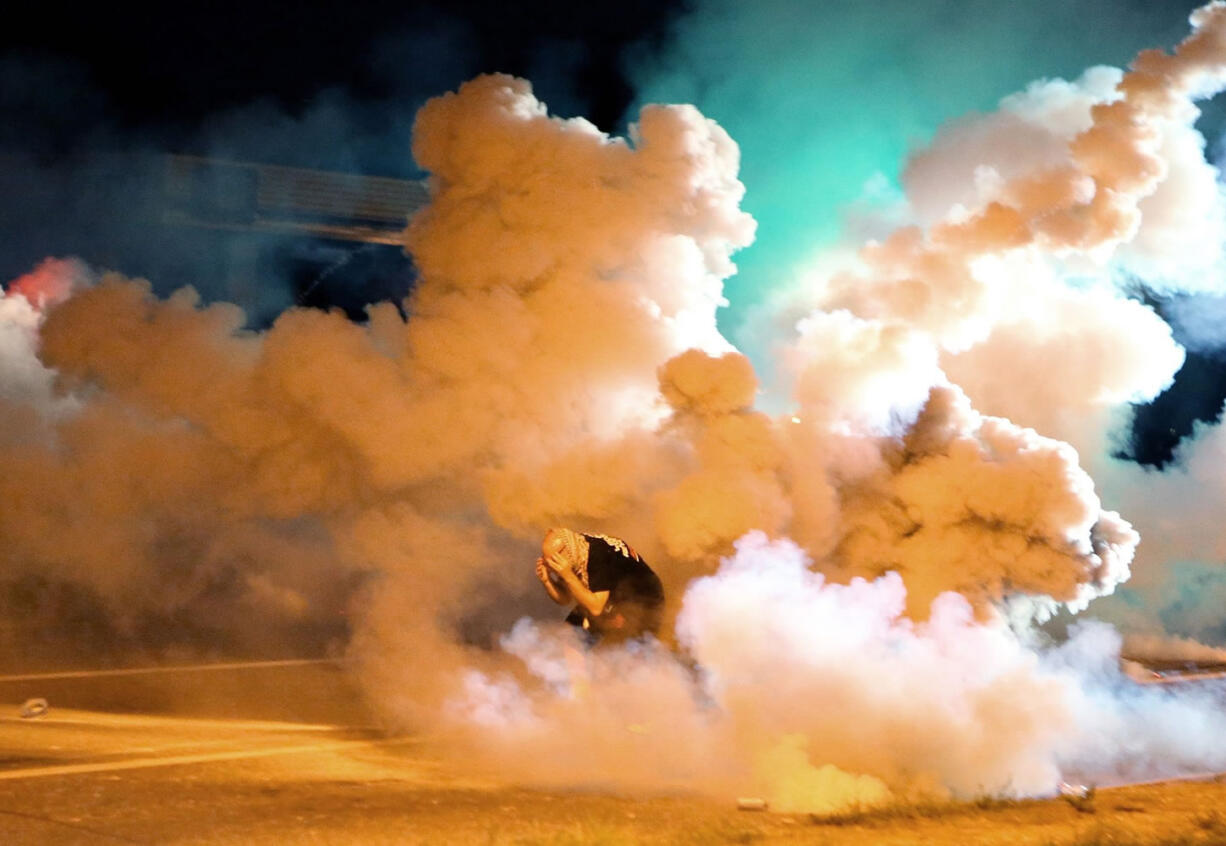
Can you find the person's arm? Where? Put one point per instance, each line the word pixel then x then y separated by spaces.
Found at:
pixel 553 584
pixel 592 603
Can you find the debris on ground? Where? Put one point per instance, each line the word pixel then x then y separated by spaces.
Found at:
pixel 1070 790
pixel 33 708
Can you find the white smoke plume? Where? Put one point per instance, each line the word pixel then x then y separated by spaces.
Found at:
pixel 944 708
pixel 26 384
pixel 1179 580
pixel 842 577
pixel 1199 319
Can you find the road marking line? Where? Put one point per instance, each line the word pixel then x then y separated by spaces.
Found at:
pixel 80 719
pixel 182 668
pixel 202 758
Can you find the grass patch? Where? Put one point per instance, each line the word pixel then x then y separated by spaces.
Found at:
pixel 913 811
pixel 1207 830
pixel 1212 824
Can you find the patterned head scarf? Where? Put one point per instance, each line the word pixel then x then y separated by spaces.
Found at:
pixel 574 550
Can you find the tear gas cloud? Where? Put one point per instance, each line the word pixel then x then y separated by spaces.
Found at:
pixel 801 86
pixel 854 585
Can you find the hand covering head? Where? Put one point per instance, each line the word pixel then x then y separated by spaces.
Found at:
pixel 570 545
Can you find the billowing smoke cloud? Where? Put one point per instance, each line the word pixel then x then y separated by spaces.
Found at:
pixel 852 584
pixel 944 708
pixel 827 99
pixel 25 381
pixel 1042 332
pixel 1199 319
pixel 922 486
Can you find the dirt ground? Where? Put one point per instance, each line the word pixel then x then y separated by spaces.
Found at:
pixel 1152 815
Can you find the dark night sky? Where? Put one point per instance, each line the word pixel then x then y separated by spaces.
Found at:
pixel 320 85
pixel 165 69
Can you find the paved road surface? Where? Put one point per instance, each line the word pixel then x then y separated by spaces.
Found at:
pixel 81 777
pixel 286 754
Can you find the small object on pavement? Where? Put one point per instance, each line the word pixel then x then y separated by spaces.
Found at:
pixel 750 803
pixel 1075 791
pixel 32 708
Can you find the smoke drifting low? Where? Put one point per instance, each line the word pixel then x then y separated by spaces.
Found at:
pixel 853 585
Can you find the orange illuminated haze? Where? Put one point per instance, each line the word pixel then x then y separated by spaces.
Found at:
pixel 856 567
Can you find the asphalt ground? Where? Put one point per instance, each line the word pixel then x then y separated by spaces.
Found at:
pixel 91 779
pixel 252 762
pixel 300 691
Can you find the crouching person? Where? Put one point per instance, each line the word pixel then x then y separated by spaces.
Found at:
pixel 617 597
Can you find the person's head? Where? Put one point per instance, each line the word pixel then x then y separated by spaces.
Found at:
pixel 555 543
pixel 569 545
